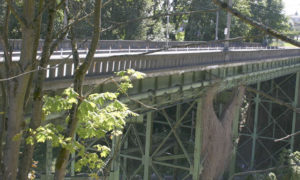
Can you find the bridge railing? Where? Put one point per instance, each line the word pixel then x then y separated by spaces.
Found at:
pixel 64 68
pixel 133 44
pixel 130 50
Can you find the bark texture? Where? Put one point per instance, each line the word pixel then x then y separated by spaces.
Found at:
pixel 217 134
pixel 36 118
pixel 16 89
pixel 80 72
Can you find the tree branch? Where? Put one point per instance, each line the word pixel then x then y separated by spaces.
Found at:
pixel 164 14
pixel 14 12
pixel 119 24
pixel 4 41
pixel 256 24
pixel 288 136
pixel 106 3
pixel 277 101
pixel 262 171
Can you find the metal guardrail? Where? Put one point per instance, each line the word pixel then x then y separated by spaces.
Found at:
pixel 67 52
pixel 64 69
pixel 16 44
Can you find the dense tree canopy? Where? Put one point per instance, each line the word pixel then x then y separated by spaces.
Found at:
pixel 268 12
pixel 193 27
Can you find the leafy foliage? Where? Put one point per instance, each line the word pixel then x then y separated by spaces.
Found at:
pixel 288 168
pixel 99 114
pixel 268 12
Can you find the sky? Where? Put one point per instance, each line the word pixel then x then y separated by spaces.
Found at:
pixel 291 6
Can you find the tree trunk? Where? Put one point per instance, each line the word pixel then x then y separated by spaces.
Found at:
pixel 17 91
pixel 217 134
pixel 16 95
pixel 36 117
pixel 2 123
pixel 63 157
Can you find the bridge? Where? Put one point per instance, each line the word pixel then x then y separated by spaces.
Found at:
pixel 165 140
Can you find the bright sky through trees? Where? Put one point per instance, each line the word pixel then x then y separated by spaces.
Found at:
pixel 291 6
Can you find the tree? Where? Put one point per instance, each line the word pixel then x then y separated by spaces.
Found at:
pixel 19 79
pixel 268 12
pixel 200 27
pixel 22 74
pixel 123 10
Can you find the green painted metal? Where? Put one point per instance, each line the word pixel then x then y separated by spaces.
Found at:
pixel 131 157
pixel 72 167
pixel 235 136
pixel 254 134
pixel 171 157
pixel 174 127
pixel 48 160
pixel 171 165
pixel 124 165
pixel 174 130
pixel 176 148
pixel 295 104
pixel 198 141
pixel 148 139
pixel 271 103
pixel 115 167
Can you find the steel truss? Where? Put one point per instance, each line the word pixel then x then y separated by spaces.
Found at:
pixel 166 144
pixel 268 121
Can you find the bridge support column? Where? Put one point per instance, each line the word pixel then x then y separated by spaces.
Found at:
pixel 176 147
pixel 235 138
pixel 124 163
pixel 48 160
pixel 198 142
pixel 271 103
pixel 147 157
pixel 295 104
pixel 254 134
pixel 72 167
pixel 115 167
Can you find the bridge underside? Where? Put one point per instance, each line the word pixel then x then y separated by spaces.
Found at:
pixel 166 143
pixel 166 140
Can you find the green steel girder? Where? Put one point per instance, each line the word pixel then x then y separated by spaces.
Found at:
pixel 158 155
pixel 261 134
pixel 147 158
pixel 254 134
pixel 186 86
pixel 181 90
pixel 295 105
pixel 198 142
